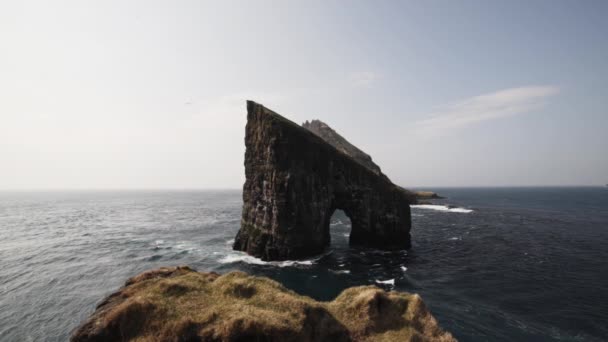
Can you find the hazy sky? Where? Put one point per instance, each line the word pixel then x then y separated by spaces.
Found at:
pixel 151 94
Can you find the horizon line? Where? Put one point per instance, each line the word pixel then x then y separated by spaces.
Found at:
pixel 416 187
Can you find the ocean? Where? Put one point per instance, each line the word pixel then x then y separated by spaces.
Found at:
pixel 492 264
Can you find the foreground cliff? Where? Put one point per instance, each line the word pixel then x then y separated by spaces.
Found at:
pixel 180 304
pixel 295 180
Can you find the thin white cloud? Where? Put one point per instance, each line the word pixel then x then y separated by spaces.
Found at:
pixel 363 79
pixel 500 104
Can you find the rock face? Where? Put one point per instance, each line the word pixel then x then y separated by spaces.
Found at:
pixel 295 180
pixel 180 304
pixel 332 137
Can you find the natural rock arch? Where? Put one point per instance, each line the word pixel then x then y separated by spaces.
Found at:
pixel 295 180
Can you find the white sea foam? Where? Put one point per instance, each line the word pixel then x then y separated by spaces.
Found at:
pixel 185 246
pixel 176 245
pixel 403 268
pixel 442 208
pixel 455 238
pixel 343 272
pixel 230 242
pixel 288 263
pixel 386 282
pixel 158 244
pixel 233 257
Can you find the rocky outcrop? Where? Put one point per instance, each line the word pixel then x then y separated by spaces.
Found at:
pixel 295 180
pixel 426 195
pixel 180 304
pixel 332 137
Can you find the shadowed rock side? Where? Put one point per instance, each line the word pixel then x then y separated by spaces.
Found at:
pixel 295 181
pixel 180 304
pixel 332 137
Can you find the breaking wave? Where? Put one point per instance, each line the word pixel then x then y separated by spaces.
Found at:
pixel 386 282
pixel 234 257
pixel 444 208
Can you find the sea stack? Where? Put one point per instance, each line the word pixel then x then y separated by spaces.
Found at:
pixel 295 180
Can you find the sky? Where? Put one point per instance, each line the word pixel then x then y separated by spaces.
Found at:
pixel 151 94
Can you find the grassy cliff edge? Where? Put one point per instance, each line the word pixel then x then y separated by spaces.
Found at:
pixel 181 304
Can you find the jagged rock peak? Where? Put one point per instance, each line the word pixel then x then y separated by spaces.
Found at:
pixel 328 134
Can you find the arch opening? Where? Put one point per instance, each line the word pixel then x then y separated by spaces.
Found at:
pixel 340 229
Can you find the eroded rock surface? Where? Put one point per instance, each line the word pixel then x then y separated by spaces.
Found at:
pixel 295 180
pixel 180 304
pixel 332 137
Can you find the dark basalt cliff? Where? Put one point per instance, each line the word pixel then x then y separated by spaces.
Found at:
pixel 295 180
pixel 180 304
pixel 332 137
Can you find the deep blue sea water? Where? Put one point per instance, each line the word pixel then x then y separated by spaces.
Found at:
pixel 507 264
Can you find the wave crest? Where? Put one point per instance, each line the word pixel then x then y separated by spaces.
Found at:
pixel 248 259
pixel 444 208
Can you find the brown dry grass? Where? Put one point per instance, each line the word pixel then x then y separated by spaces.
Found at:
pixel 180 304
